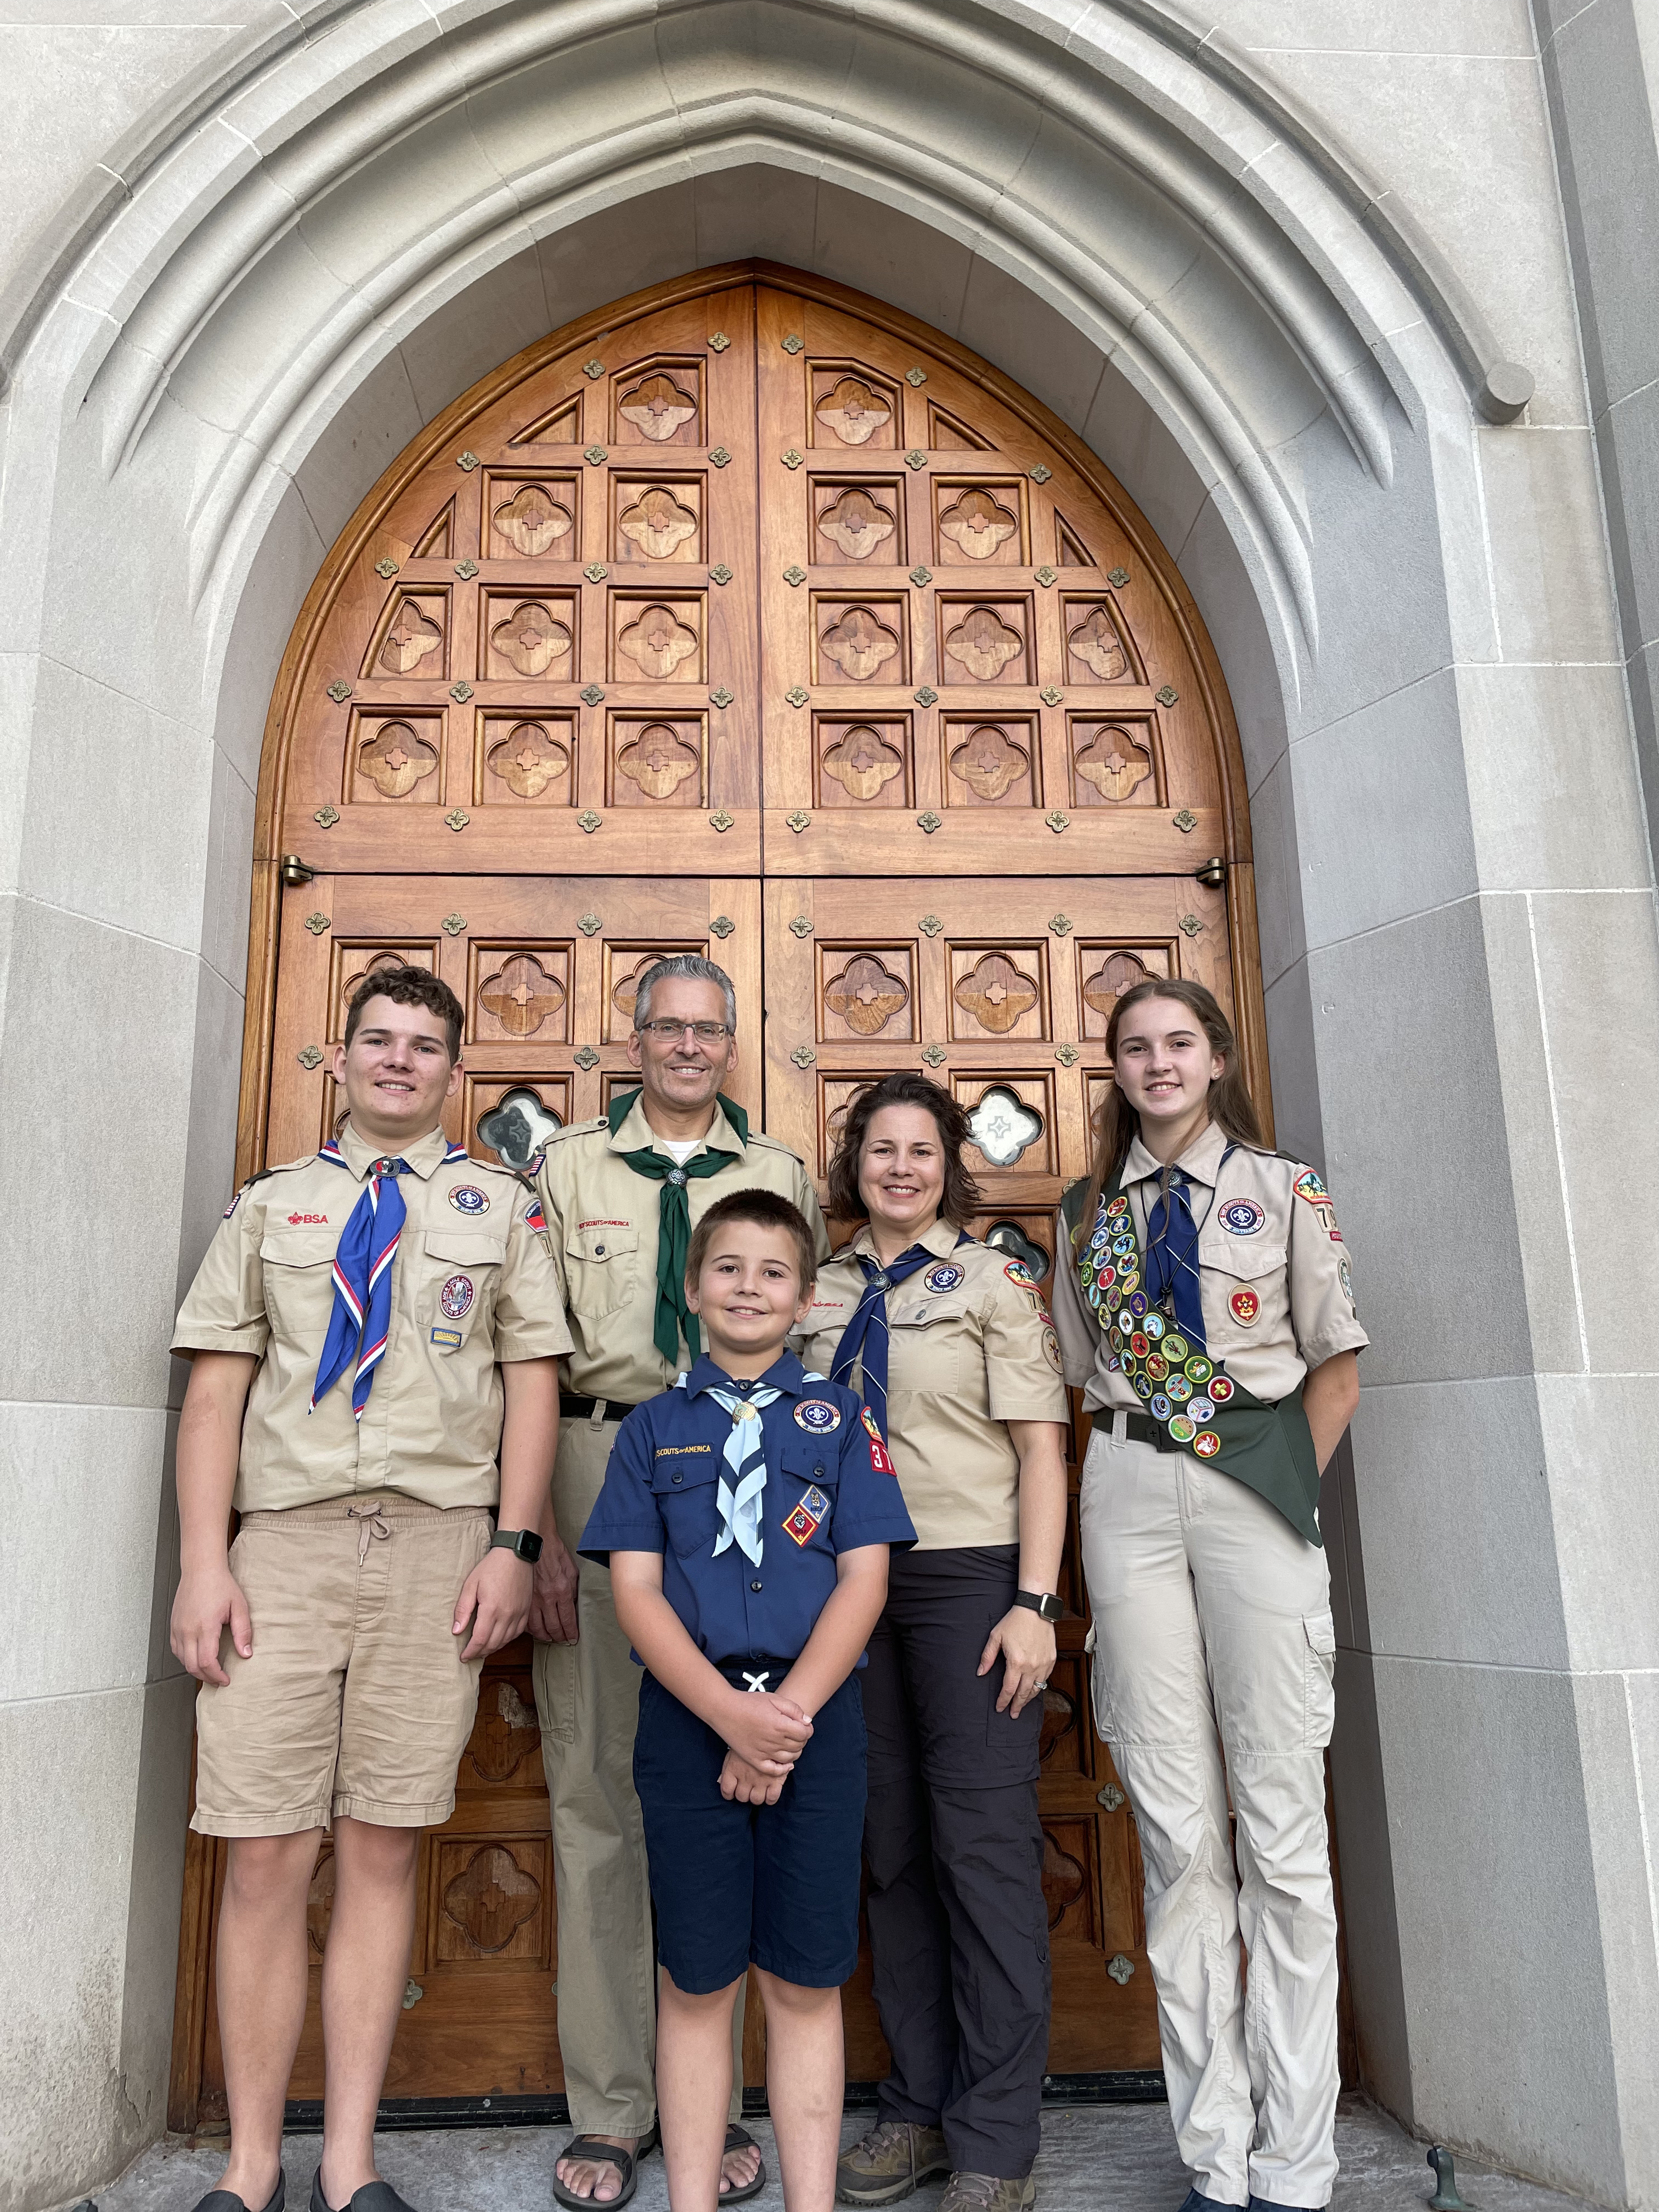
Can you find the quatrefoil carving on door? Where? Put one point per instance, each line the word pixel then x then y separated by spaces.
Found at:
pixel 531 639
pixel 853 411
pixel 1097 645
pixel 866 995
pixel 859 645
pixel 989 762
pixel 657 407
pixel 412 636
pixel 1062 1880
pixel 395 760
pixel 491 1899
pixel 388 957
pixel 856 523
pixel 659 759
pixel 506 1732
pixel 1118 973
pixel 516 1128
pixel 984 644
pixel 521 995
pixel 658 642
pixel 527 759
pixel 978 524
pixel 1114 762
pixel 863 762
pixel 532 519
pixel 657 522
pixel 995 993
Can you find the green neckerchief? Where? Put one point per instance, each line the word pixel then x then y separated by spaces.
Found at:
pixel 1268 1448
pixel 674 1222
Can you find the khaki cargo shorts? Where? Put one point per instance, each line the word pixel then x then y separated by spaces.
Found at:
pixel 355 1700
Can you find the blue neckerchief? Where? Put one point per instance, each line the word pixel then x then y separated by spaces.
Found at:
pixel 1172 1259
pixel 865 1339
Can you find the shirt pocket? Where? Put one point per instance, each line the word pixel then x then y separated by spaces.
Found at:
pixel 600 1266
pixel 925 1345
pixel 683 1482
pixel 1249 1301
pixel 460 1277
pixel 297 1267
pixel 800 1499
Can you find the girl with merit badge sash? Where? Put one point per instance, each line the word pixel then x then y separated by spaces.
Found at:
pixel 1207 1309
pixel 953 1352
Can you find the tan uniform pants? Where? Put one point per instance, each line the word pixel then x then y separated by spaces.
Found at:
pixel 587 1701
pixel 1214 1639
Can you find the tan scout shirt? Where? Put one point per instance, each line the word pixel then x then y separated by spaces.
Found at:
pixel 603 1220
pixel 433 1424
pixel 963 1356
pixel 1274 1275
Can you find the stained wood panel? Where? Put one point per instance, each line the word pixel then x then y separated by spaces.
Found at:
pixel 751 618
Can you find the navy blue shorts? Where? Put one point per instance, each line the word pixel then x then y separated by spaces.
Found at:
pixel 775 1884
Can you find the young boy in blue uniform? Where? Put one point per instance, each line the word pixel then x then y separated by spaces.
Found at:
pixel 746 1518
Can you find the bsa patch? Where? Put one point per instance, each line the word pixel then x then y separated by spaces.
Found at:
pixel 449 1338
pixel 1243 1217
pixel 1309 1186
pixel 878 1457
pixel 456 1297
pixel 467 1197
pixel 1244 1306
pixel 803 1523
pixel 817 1415
pixel 944 1278
pixel 1207 1443
pixel 1051 1351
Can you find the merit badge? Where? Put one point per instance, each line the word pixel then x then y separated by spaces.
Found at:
pixel 534 1218
pixel 1159 1406
pixel 1138 1302
pixel 1243 1217
pixel 1201 1410
pixel 455 1296
pixel 449 1338
pixel 1310 1186
pixel 1144 1385
pixel 1181 1429
pixel 1139 1346
pixel 1221 1389
pixel 1200 1369
pixel 1051 1351
pixel 819 1415
pixel 1207 1443
pixel 943 1278
pixel 1155 1325
pixel 466 1198
pixel 1118 1205
pixel 1244 1306
pixel 1178 1389
pixel 1175 1347
pixel 1157 1365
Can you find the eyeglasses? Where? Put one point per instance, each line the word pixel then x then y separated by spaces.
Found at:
pixel 671 1032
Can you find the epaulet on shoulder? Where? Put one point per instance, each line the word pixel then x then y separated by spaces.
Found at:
pixel 575 1129
pixel 491 1167
pixel 278 1167
pixel 772 1145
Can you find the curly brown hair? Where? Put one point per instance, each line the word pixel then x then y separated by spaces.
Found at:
pixel 408 987
pixel 961 1200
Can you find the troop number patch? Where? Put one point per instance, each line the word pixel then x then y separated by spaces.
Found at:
pixel 945 1278
pixel 819 1415
pixel 455 1298
pixel 879 1458
pixel 467 1197
pixel 1243 1217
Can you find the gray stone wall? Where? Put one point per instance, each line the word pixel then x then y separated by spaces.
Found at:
pixel 1259 260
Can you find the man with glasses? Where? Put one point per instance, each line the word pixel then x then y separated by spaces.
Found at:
pixel 622 1194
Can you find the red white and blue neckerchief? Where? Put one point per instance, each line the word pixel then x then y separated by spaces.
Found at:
pixel 360 1323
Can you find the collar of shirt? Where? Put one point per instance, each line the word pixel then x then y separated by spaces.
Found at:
pixel 1200 1163
pixel 636 1133
pixel 425 1155
pixel 940 1239
pixel 785 1374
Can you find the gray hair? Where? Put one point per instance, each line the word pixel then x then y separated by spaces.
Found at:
pixel 695 969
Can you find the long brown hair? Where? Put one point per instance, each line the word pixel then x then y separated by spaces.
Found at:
pixel 960 1200
pixel 1230 1106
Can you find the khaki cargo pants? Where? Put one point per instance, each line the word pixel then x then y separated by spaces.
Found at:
pixel 587 1701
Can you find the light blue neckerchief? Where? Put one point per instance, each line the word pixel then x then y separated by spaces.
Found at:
pixel 744 1453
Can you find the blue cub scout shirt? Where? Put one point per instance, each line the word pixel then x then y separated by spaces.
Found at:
pixel 830 1488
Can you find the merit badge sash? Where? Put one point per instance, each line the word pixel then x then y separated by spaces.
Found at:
pixel 1200 1407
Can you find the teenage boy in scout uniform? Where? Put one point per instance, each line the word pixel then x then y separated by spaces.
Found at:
pixel 746 1519
pixel 622 1195
pixel 370 1327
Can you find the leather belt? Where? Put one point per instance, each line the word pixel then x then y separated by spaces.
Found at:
pixel 573 1409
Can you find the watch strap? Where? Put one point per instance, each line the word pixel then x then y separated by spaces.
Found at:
pixel 1049 1607
pixel 524 1544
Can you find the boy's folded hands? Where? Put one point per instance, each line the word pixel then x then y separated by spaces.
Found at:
pixel 766 1732
pixel 747 1784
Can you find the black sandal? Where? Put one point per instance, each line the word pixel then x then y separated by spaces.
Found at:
pixel 738 2138
pixel 626 2163
pixel 227 2200
pixel 373 2196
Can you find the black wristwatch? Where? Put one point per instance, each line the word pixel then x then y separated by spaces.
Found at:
pixel 524 1544
pixel 1039 1601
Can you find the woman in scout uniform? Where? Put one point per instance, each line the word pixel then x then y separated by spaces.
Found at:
pixel 952 1347
pixel 1208 1311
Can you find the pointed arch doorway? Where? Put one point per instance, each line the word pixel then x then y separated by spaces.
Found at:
pixel 749 618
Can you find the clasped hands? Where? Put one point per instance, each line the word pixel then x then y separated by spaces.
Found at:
pixel 765 1734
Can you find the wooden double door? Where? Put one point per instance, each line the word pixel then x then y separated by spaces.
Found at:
pixel 748 619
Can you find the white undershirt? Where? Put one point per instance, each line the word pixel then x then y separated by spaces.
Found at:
pixel 681 1147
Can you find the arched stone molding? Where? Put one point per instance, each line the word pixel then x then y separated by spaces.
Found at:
pixel 346 224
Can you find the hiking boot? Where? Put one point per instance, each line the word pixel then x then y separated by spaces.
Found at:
pixel 889 2162
pixel 986 2192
